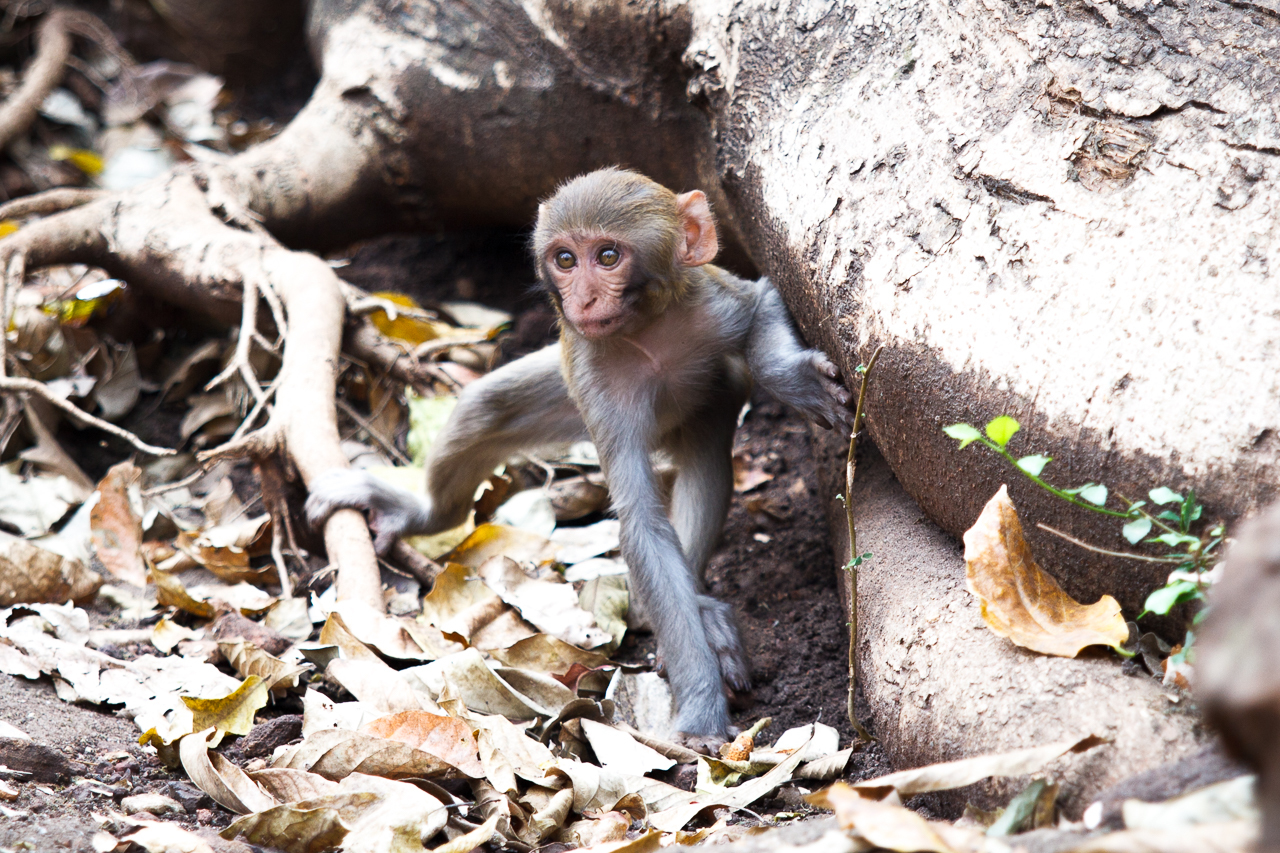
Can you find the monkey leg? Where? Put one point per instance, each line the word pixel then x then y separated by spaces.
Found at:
pixel 521 406
pixel 703 452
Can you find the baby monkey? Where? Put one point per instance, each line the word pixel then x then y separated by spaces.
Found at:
pixel 657 352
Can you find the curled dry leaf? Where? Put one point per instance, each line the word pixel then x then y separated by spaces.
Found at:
pixel 116 523
pixel 336 754
pixel 957 774
pixel 223 781
pixel 883 825
pixel 447 738
pixel 230 714
pixel 551 606
pixel 247 659
pixel 367 814
pixel 30 574
pixel 1020 601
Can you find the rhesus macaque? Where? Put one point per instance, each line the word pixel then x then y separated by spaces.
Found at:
pixel 657 352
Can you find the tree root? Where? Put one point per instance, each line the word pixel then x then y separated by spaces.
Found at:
pixel 182 239
pixel 53 46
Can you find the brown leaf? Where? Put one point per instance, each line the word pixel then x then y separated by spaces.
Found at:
pixel 29 573
pixel 884 825
pixel 335 754
pixel 1023 603
pixel 444 737
pixel 117 527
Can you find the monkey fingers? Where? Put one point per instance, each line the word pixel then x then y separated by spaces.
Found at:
pixel 391 512
pixel 722 636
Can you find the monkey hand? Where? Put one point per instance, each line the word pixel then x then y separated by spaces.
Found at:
pixel 391 512
pixel 722 636
pixel 818 393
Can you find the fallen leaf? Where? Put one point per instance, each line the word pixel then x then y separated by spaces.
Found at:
pixel 367 814
pixel 230 714
pixel 379 687
pixel 447 738
pixel 884 825
pixel 551 606
pixel 495 540
pixel 1235 837
pixel 1020 601
pixel 479 687
pixel 336 754
pixel 620 751
pixel 223 781
pixel 30 574
pixel 35 504
pixel 460 605
pixel 247 659
pixel 116 522
pixel 578 497
pixel 529 510
pixel 957 774
pixel 577 544
pixel 160 837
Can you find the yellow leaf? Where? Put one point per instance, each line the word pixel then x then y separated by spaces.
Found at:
pixel 233 713
pixel 83 159
pixel 411 330
pixel 8 226
pixel 1020 601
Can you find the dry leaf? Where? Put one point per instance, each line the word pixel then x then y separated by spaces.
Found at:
pixel 890 827
pixel 1023 603
pixel 30 574
pixel 116 523
pixel 336 754
pixel 447 738
pixel 549 605
pixel 35 504
pixel 620 751
pixel 747 473
pixel 473 840
pixel 494 540
pixel 957 774
pixel 159 837
pixel 366 814
pixel 472 681
pixel 379 687
pixel 230 714
pixel 247 659
pixel 223 781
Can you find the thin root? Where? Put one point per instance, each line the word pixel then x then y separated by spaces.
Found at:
pixel 48 203
pixel 53 46
pixel 18 385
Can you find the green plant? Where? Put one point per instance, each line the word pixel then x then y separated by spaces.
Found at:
pixel 1169 520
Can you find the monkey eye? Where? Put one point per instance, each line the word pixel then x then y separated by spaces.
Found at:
pixel 608 257
pixel 565 259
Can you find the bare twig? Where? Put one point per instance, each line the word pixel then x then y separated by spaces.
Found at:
pixel 53 46
pixel 360 303
pixel 1171 558
pixel 850 468
pixel 377 437
pixel 19 385
pixel 430 348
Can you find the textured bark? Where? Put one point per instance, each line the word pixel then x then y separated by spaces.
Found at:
pixel 946 179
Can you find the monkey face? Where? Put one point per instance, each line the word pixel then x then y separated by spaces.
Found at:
pixel 595 280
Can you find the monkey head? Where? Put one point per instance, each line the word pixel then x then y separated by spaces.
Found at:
pixel 614 249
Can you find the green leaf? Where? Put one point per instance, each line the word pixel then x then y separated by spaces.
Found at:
pixel 1135 506
pixel 1033 465
pixel 1168 515
pixel 1168 597
pixel 1094 493
pixel 1191 510
pixel 1176 540
pixel 963 433
pixel 1135 530
pixel 1002 429
pixel 1217 531
pixel 1162 495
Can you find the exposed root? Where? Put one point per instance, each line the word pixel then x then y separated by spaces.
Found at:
pixel 389 448
pixel 53 46
pixel 18 385
pixel 48 203
pixel 168 239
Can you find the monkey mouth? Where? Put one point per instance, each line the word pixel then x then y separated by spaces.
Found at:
pixel 599 327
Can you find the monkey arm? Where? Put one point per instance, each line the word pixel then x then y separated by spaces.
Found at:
pixel 802 378
pixel 521 406
pixel 661 577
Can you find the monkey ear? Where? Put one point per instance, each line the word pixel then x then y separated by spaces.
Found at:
pixel 698 230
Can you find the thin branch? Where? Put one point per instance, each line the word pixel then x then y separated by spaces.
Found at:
pixel 430 348
pixel 1095 549
pixel 373 433
pixel 53 46
pixel 850 468
pixel 16 385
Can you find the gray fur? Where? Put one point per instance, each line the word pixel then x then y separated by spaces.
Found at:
pixel 674 383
